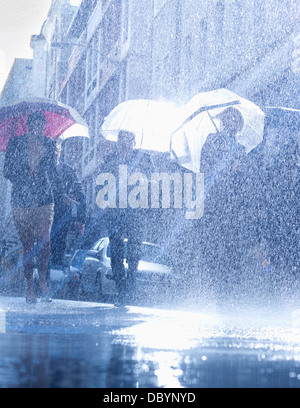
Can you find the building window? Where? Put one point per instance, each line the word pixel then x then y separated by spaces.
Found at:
pixel 111 26
pixel 92 123
pixel 104 3
pixel 92 64
pixel 64 95
pixel 126 14
pixel 157 79
pixel 202 45
pixel 158 5
pixel 51 91
pixel 123 83
pixel 186 61
pixel 220 10
pixel 219 27
pixel 259 19
pixel 77 85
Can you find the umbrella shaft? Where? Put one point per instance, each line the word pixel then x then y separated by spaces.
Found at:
pixel 203 109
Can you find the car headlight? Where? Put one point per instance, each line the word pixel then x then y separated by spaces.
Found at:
pixel 74 273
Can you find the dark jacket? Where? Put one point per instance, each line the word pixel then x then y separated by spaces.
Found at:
pixel 222 228
pixel 218 155
pixel 72 188
pixel 114 217
pixel 31 189
pixel 280 206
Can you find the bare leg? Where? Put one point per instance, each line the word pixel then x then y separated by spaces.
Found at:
pixel 43 255
pixel 25 229
pixel 27 240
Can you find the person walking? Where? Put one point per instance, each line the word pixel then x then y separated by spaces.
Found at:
pixel 221 153
pixel 30 165
pixel 222 160
pixel 67 214
pixel 125 222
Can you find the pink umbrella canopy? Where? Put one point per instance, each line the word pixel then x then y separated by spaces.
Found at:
pixel 59 118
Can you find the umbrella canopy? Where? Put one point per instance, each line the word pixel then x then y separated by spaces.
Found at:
pixel 59 117
pixel 151 121
pixel 199 118
pixel 76 130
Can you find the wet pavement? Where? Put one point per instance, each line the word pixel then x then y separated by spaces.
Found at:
pixel 72 344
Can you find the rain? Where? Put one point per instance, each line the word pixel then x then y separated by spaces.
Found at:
pixel 180 120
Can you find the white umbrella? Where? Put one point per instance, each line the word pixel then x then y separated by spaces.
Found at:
pixel 199 119
pixel 76 130
pixel 151 121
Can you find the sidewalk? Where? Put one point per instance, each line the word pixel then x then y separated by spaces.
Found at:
pixel 95 345
pixel 56 317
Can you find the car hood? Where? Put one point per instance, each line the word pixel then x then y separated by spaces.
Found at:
pixel 152 267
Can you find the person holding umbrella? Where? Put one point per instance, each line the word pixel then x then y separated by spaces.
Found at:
pixel 66 213
pixel 30 165
pixel 125 222
pixel 221 152
pixel 221 162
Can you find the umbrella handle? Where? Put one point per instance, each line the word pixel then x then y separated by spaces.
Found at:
pixel 202 109
pixel 196 113
pixel 174 154
pixel 210 117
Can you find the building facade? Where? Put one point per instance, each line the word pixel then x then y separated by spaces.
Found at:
pixel 103 52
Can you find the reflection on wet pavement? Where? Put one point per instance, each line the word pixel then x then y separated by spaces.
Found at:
pixel 99 346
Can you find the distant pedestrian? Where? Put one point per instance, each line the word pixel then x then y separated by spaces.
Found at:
pixel 67 213
pixel 30 165
pixel 125 222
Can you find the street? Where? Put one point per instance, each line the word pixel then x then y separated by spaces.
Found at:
pixel 75 344
pixel 149 156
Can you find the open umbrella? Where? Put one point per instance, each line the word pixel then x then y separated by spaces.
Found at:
pixel 151 121
pixel 75 130
pixel 59 117
pixel 199 118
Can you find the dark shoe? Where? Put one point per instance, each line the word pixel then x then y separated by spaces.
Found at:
pixel 46 299
pixel 31 300
pixel 131 287
pixel 120 303
pixel 30 296
pixel 122 298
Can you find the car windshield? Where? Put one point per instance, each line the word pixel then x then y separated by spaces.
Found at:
pixel 78 258
pixel 149 253
pixel 98 245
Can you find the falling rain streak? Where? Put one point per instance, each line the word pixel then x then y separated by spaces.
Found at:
pixel 179 273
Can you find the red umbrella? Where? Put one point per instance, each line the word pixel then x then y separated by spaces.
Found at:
pixel 59 117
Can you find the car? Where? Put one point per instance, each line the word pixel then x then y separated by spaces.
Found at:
pixel 154 275
pixel 73 274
